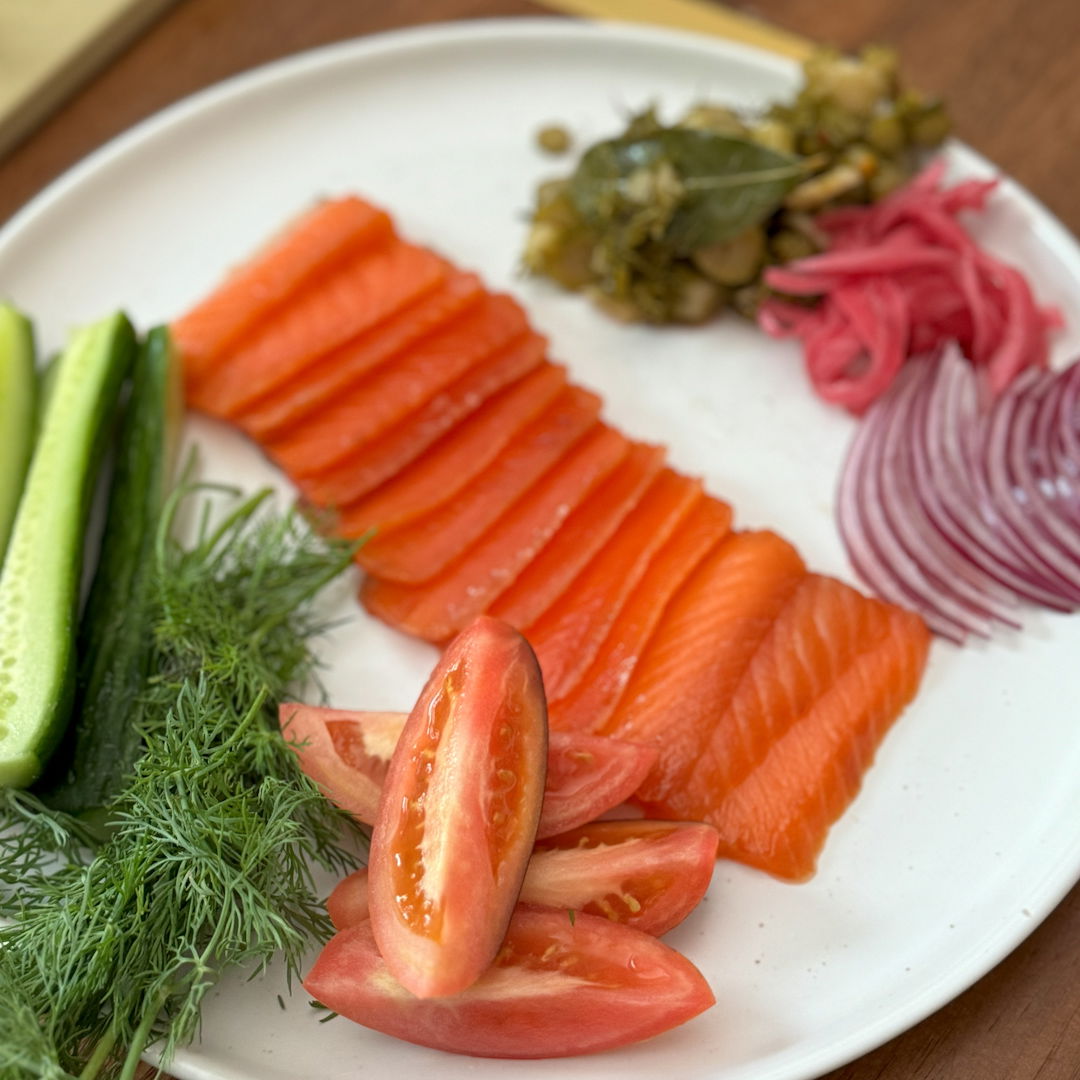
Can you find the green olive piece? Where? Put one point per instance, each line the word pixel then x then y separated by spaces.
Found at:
pixel 553 139
pixel 733 262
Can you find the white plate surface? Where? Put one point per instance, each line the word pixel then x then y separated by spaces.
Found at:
pixel 966 833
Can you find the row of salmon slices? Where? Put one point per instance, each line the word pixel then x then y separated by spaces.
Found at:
pixel 409 403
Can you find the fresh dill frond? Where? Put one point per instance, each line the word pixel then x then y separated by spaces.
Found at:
pixel 207 864
pixel 34 840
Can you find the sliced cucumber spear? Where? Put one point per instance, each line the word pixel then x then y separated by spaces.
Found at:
pixel 115 641
pixel 39 584
pixel 18 391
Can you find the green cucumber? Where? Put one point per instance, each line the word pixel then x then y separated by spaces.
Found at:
pixel 115 637
pixel 39 585
pixel 18 391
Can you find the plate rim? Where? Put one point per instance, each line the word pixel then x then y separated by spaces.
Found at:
pixel 1010 932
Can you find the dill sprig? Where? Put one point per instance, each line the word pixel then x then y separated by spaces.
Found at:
pixel 210 845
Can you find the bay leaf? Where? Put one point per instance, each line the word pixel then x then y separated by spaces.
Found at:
pixel 729 184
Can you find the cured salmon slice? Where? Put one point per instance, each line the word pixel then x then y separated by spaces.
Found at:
pixel 699 651
pixel 373 463
pixel 457 458
pixel 788 754
pixel 567 636
pixel 393 391
pixel 591 701
pixel 586 530
pixel 274 414
pixel 419 550
pixel 332 309
pixel 437 609
pixel 312 243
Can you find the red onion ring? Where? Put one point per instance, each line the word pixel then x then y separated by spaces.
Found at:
pixel 959 508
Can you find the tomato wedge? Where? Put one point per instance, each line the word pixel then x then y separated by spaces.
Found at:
pixel 458 812
pixel 347 754
pixel 645 874
pixel 589 775
pixel 348 760
pixel 556 988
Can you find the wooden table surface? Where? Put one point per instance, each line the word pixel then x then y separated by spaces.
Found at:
pixel 1008 69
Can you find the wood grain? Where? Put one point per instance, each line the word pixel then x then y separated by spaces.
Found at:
pixel 1007 68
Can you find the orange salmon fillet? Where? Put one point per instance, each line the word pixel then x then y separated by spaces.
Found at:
pixel 313 243
pixel 272 415
pixel 787 755
pixel 438 609
pixel 587 706
pixel 391 392
pixel 457 458
pixel 704 641
pixel 586 530
pixel 419 550
pixel 358 294
pixel 569 634
pixel 373 463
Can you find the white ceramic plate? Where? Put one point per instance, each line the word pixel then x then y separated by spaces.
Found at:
pixel 966 833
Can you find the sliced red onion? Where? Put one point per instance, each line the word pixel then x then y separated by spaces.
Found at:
pixel 953 582
pixel 871 547
pixel 941 443
pixel 1024 534
pixel 958 508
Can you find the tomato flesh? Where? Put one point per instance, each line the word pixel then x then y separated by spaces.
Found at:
pixel 646 874
pixel 556 988
pixel 589 775
pixel 347 761
pixel 458 812
pixel 347 753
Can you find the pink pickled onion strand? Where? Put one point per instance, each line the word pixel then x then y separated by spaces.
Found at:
pixel 945 285
pixel 958 507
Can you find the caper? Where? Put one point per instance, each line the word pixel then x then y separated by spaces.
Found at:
pixel 733 262
pixel 553 139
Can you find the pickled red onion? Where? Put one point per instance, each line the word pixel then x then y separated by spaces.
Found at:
pixel 900 278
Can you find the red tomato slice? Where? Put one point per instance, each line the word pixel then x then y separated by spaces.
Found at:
pixel 458 812
pixel 347 754
pixel 589 775
pixel 646 874
pixel 347 760
pixel 555 989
